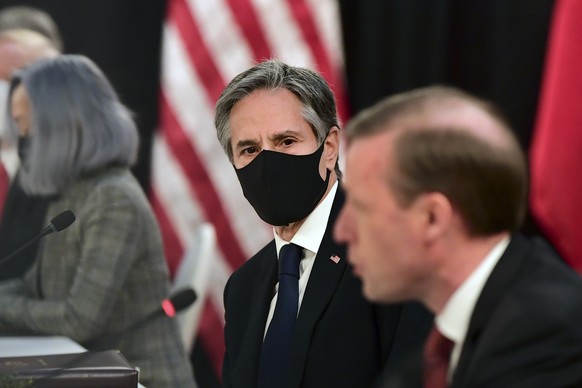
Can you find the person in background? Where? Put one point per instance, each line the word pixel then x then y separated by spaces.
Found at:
pixel 26 34
pixel 106 271
pixel 309 326
pixel 33 19
pixel 436 192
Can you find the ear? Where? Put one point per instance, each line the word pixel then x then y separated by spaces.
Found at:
pixel 331 148
pixel 437 215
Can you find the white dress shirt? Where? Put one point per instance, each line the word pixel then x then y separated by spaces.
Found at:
pixel 453 321
pixel 308 237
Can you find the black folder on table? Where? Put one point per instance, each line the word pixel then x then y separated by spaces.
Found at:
pixel 89 369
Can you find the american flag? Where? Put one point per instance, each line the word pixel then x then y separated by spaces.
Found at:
pixel 205 44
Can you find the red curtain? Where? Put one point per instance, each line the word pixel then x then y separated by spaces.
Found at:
pixel 556 153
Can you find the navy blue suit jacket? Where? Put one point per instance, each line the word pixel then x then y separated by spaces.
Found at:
pixel 340 340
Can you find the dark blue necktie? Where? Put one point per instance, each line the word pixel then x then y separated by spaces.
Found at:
pixel 277 343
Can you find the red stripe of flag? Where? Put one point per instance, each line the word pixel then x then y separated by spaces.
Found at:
pixel 306 22
pixel 4 186
pixel 198 52
pixel 248 22
pixel 211 334
pixel 173 249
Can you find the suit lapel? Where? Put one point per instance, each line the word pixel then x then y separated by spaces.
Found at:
pixel 503 275
pixel 321 286
pixel 262 293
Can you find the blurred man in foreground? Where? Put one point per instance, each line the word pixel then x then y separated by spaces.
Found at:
pixel 436 189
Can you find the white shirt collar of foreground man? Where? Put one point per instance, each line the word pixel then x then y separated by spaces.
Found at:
pixel 453 321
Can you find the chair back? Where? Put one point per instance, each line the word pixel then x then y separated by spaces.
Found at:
pixel 194 272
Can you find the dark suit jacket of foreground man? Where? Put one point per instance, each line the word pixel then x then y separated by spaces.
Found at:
pixel 340 340
pixel 526 329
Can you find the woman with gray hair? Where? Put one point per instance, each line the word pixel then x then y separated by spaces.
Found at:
pixel 107 270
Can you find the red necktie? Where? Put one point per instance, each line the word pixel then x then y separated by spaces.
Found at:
pixel 436 355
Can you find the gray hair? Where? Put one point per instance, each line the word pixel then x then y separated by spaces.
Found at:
pixel 77 123
pixel 319 107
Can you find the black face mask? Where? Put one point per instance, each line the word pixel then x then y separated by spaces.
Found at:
pixel 23 148
pixel 283 188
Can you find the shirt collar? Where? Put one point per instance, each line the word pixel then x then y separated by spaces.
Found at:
pixel 453 321
pixel 310 234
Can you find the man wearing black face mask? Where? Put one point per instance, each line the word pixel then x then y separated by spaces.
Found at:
pixel 303 324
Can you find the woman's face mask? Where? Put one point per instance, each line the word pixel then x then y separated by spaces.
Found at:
pixel 23 148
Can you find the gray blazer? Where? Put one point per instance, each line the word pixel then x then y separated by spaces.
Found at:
pixel 100 275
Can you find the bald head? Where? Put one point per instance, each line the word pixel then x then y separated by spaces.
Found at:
pixel 20 47
pixel 448 141
pixel 437 107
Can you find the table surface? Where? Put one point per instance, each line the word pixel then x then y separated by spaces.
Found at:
pixel 37 346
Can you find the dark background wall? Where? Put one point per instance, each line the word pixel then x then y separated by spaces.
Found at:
pixel 493 48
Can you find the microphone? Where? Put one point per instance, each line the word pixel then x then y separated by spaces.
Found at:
pixel 60 222
pixel 177 302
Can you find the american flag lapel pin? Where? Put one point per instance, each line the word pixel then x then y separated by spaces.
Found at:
pixel 335 258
